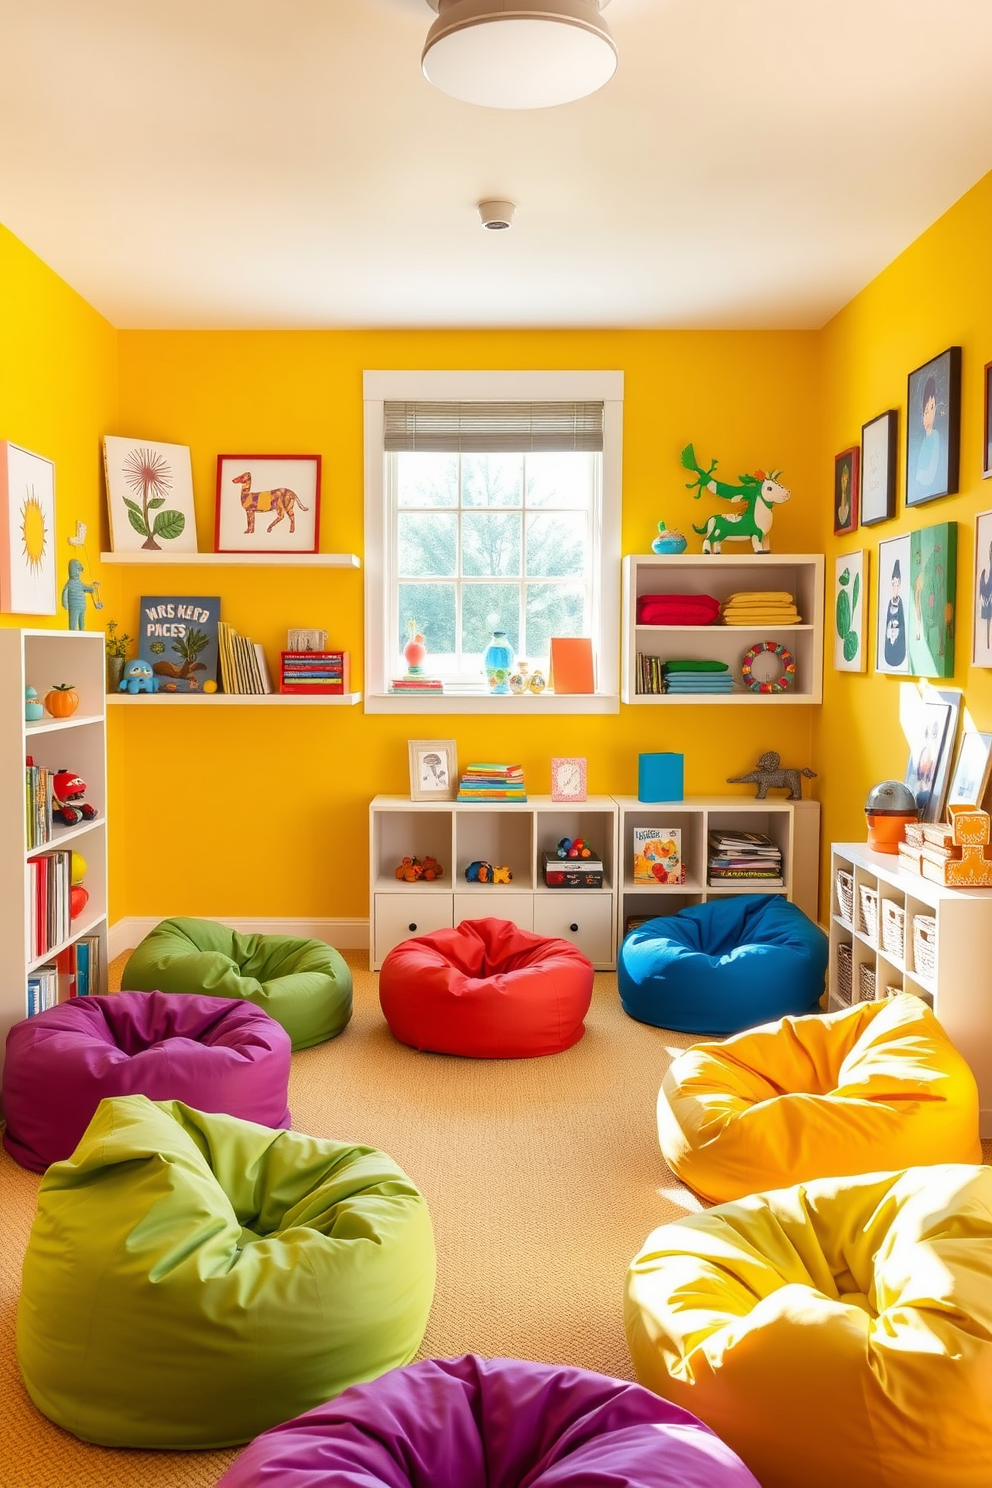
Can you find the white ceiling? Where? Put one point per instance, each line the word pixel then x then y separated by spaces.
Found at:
pixel 216 163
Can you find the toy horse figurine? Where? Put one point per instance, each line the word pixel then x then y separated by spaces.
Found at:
pixel 759 494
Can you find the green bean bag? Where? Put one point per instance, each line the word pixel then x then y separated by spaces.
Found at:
pixel 192 1279
pixel 304 984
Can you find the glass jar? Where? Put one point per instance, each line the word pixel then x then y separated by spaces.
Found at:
pixel 498 662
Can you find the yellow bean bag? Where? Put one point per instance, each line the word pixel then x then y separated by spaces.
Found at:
pixel 876 1087
pixel 835 1335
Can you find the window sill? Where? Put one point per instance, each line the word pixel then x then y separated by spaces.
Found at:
pixel 524 706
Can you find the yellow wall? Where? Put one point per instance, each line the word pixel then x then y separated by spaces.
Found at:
pixel 264 812
pixel 58 396
pixel 936 294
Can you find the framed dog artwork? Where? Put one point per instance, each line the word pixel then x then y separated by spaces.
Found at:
pixel 267 504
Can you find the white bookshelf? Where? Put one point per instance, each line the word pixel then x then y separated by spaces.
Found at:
pixel 959 988
pixel 509 833
pixel 723 574
pixel 794 826
pixel 42 658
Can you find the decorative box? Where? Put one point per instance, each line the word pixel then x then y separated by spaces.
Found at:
pixel 572 873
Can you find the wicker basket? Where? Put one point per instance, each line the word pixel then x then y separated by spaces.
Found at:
pixel 866 983
pixel 868 912
pixel 845 895
pixel 893 929
pixel 844 960
pixel 925 945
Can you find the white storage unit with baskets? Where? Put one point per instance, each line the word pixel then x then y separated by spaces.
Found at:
pixel 893 931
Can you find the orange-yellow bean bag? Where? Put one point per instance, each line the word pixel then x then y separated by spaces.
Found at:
pixel 875 1087
pixel 835 1335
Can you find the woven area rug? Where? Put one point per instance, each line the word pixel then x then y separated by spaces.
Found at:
pixel 543 1178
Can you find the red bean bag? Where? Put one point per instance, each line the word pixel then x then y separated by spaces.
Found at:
pixel 486 989
pixel 213 1053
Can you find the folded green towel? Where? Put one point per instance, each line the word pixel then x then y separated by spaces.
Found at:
pixel 695 666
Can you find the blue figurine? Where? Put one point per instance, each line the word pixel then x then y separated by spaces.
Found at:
pixel 669 540
pixel 138 677
pixel 74 595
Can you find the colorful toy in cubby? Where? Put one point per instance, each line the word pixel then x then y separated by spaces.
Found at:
pixel 964 862
pixel 574 847
pixel 68 806
pixel 411 870
pixel 138 677
pixel 480 871
pixel 78 895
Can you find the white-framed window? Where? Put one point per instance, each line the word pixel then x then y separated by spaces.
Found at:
pixel 492 502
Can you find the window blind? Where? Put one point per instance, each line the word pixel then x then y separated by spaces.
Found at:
pixel 493 428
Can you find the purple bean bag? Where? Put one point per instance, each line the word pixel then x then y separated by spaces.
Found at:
pixel 215 1054
pixel 491 1423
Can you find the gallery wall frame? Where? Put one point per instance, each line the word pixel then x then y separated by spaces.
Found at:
pixel 847 491
pixel 879 459
pixel 27 532
pixel 932 612
pixel 981 620
pixel 933 428
pixel 987 424
pixel 267 504
pixel 850 603
pixel 891 613
pixel 972 767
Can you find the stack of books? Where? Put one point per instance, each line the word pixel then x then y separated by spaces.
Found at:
pixel 739 858
pixel 489 782
pixel 317 673
pixel 43 989
pixel 243 668
pixel 48 903
pixel 79 968
pixel 37 803
pixel 414 685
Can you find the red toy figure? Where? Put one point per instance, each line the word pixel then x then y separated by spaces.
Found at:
pixel 68 806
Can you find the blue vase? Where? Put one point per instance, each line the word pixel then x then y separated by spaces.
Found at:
pixel 498 662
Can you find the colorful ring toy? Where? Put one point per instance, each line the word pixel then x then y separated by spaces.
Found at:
pixel 782 682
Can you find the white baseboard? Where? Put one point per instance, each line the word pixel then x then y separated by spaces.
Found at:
pixel 127 933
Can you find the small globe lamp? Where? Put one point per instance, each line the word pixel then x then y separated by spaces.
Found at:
pixel 890 805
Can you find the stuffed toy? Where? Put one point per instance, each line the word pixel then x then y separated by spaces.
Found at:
pixel 68 806
pixel 138 677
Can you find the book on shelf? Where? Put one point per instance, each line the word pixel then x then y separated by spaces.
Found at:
pixel 243 668
pixel 658 855
pixel 178 637
pixel 43 989
pixel 37 803
pixel 428 686
pixel 315 672
pixel 649 674
pixel 88 968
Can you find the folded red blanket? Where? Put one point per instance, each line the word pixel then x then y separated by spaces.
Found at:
pixel 677 609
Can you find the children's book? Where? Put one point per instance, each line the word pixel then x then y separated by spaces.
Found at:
pixel 177 636
pixel 658 855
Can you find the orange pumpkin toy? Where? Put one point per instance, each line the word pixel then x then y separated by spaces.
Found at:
pixel 62 701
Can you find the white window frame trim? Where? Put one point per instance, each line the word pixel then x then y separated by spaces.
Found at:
pixel 380 387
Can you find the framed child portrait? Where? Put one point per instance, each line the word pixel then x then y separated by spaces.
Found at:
pixel 433 769
pixel 846 490
pixel 878 467
pixel 891 609
pixel 933 428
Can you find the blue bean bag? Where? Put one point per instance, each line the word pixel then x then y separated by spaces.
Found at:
pixel 723 966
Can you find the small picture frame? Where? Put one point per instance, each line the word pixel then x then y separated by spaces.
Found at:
pixel 267 504
pixel 568 779
pixel 846 490
pixel 879 445
pixel 933 428
pixel 972 767
pixel 987 424
pixel 433 769
pixel 149 496
pixel 892 609
pixel 849 609
pixel 981 620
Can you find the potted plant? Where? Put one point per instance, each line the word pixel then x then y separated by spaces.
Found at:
pixel 116 647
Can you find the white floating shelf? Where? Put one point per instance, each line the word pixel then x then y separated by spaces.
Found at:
pixel 232 699
pixel 245 560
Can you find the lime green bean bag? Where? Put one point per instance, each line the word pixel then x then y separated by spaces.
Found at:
pixel 304 984
pixel 192 1279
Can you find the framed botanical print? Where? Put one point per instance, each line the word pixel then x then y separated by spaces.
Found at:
pixel 150 496
pixel 933 428
pixel 878 468
pixel 846 490
pixel 987 425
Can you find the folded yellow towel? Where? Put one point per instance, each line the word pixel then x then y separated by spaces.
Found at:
pixel 762 594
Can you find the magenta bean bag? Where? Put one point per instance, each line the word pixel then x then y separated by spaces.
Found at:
pixel 215 1054
pixel 491 1423
pixel 486 989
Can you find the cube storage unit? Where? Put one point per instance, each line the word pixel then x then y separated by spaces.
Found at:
pixel 723 574
pixel 923 938
pixel 511 834
pixel 41 659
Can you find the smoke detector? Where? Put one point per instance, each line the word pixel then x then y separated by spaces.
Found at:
pixel 496 215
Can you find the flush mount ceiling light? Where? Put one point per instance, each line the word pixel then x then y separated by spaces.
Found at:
pixel 519 54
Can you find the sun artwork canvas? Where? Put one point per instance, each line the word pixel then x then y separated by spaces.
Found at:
pixel 150 496
pixel 27 532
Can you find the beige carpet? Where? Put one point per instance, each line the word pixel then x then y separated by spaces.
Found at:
pixel 543 1177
